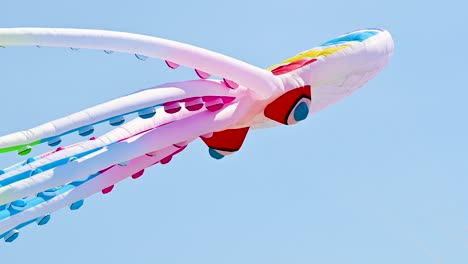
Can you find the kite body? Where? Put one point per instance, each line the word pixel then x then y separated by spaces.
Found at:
pixel 170 116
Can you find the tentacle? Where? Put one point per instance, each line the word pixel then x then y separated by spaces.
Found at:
pixel 158 138
pixel 64 155
pixel 101 168
pixel 38 208
pixel 263 82
pixel 144 102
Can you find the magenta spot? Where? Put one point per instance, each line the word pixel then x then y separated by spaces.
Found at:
pixel 172 65
pixel 138 174
pixel 215 107
pixel 179 150
pixel 209 98
pixel 178 145
pixel 230 84
pixel 59 149
pixel 172 110
pixel 166 160
pixel 151 154
pixel 107 189
pixel 172 107
pixel 194 104
pixel 194 107
pixel 92 138
pixel 106 169
pixel 202 74
pixel 227 99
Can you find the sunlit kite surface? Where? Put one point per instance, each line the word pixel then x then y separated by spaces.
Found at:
pixel 229 98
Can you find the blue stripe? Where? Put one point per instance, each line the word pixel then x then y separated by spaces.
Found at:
pixel 355 36
pixel 48 166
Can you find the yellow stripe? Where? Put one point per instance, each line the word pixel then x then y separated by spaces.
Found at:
pixel 310 54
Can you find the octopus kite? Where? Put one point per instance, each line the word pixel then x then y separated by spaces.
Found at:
pixel 219 110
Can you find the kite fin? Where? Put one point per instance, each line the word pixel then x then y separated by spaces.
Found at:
pixel 225 142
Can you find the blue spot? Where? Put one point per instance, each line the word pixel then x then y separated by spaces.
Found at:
pixel 141 57
pixel 53 189
pixel 214 154
pixel 355 36
pixel 124 163
pixel 76 205
pixel 19 203
pixel 86 131
pixel 36 171
pixel 30 160
pixel 117 121
pixel 146 116
pixel 54 141
pixel 301 112
pixel 11 236
pixel 43 220
pixel 147 112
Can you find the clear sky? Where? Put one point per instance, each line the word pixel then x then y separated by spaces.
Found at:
pixel 380 177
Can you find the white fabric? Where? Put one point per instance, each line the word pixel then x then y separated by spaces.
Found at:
pixel 261 81
pixel 95 185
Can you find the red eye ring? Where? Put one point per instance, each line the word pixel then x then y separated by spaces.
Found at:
pixel 291 107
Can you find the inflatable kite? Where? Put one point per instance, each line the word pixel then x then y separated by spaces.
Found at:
pixel 220 111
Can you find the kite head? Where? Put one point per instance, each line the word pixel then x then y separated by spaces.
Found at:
pixel 323 75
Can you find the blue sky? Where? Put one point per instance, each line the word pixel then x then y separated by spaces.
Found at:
pixel 377 178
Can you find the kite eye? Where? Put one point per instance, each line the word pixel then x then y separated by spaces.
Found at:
pixel 290 108
pixel 299 111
